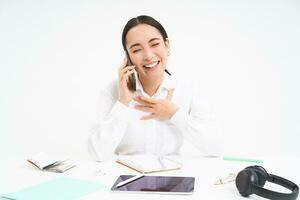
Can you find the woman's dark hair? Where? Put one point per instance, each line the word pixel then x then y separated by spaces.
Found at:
pixel 143 19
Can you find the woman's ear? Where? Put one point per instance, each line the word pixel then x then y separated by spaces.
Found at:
pixel 167 44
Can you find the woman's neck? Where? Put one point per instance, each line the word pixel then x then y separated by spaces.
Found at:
pixel 151 86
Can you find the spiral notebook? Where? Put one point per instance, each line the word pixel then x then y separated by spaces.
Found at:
pixel 149 163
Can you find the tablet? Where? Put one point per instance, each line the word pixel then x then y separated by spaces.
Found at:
pixel 156 184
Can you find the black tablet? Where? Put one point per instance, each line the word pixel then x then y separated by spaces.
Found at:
pixel 156 184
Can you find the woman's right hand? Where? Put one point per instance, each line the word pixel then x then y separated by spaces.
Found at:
pixel 125 93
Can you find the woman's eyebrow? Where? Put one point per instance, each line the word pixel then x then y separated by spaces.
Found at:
pixel 137 44
pixel 151 40
pixel 134 45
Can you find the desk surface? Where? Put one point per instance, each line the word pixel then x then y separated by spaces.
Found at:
pixel 16 174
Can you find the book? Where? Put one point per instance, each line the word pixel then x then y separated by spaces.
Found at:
pixel 49 163
pixel 148 163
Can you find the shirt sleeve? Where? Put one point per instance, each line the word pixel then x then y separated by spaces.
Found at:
pixel 198 126
pixel 110 129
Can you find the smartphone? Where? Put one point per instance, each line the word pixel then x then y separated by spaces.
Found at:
pixel 132 76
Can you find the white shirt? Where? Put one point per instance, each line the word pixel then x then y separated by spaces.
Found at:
pixel 121 131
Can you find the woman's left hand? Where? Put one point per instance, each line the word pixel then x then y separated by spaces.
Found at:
pixel 162 109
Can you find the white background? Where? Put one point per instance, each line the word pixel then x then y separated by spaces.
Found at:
pixel 55 56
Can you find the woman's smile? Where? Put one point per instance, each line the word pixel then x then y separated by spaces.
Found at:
pixel 151 66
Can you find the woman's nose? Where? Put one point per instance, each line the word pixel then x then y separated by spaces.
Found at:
pixel 148 54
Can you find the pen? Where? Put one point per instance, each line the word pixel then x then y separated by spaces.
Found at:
pixel 242 159
pixel 227 179
pixel 129 180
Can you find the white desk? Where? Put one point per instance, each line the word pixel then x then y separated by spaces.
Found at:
pixel 16 173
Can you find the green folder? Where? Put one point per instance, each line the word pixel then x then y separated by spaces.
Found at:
pixel 62 188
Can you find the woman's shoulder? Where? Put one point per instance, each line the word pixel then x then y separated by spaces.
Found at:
pixel 183 82
pixel 191 87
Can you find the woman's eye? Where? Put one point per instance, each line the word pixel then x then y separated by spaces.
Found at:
pixel 136 50
pixel 155 44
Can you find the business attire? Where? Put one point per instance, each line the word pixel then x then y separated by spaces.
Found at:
pixel 121 131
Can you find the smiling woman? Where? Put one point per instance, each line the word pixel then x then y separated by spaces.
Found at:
pixel 161 112
pixel 146 44
pixel 149 51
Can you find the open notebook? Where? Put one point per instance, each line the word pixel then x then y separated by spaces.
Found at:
pixel 50 163
pixel 149 163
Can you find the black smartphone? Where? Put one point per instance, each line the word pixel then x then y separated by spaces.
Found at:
pixel 132 76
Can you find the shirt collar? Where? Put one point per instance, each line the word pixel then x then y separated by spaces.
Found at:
pixel 168 83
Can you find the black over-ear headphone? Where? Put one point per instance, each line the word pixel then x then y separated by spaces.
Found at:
pixel 252 179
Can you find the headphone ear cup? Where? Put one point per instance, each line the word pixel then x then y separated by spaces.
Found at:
pixel 245 180
pixel 261 173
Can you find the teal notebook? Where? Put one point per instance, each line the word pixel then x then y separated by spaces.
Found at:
pixel 61 188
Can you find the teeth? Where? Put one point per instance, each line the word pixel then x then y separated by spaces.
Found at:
pixel 151 65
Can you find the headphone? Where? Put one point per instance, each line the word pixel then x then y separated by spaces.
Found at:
pixel 252 179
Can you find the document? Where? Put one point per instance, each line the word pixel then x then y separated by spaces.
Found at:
pixel 149 163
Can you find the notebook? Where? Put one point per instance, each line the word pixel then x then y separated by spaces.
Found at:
pixel 149 163
pixel 51 163
pixel 61 188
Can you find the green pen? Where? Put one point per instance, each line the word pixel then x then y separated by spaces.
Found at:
pixel 227 158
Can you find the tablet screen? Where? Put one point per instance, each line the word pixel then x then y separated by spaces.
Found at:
pixel 157 184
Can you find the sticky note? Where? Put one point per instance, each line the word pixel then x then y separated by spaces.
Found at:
pixel 62 188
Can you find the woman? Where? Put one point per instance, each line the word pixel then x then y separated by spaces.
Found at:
pixel 160 113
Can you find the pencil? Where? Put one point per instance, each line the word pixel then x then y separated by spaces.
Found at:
pixel 227 158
